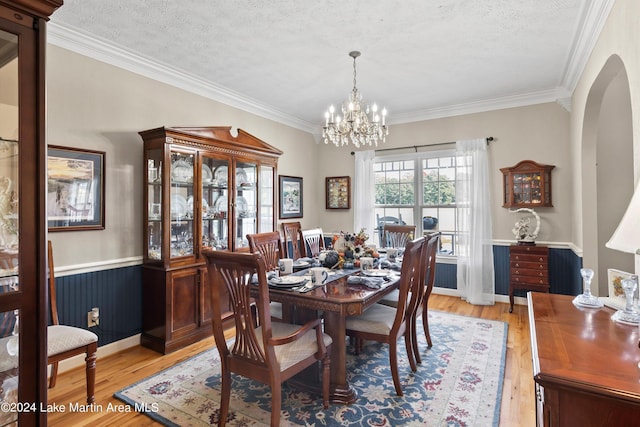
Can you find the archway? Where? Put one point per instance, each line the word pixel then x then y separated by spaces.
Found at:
pixel 607 169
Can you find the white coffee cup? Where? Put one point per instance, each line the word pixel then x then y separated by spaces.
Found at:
pixel 286 266
pixel 392 254
pixel 319 275
pixel 366 263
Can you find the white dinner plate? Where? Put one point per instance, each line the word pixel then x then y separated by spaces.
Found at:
pixel 376 273
pixel 181 171
pixel 179 207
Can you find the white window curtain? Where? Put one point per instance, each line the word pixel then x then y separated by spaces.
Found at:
pixel 364 193
pixel 476 278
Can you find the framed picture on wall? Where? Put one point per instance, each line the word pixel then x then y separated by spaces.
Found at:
pixel 75 189
pixel 290 197
pixel 338 192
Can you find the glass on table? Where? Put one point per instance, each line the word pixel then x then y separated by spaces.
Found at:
pixel 629 314
pixel 586 299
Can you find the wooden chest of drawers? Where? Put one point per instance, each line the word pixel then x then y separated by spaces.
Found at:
pixel 528 268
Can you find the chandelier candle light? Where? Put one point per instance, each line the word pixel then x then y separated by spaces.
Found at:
pixel 355 125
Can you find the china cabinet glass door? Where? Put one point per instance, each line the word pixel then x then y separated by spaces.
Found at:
pixel 215 203
pixel 245 205
pixel 267 211
pixel 154 206
pixel 181 204
pixel 9 226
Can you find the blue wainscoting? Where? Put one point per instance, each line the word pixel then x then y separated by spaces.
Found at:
pixel 564 272
pixel 116 292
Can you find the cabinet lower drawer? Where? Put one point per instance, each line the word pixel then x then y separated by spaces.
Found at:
pixel 540 273
pixel 528 265
pixel 528 258
pixel 530 280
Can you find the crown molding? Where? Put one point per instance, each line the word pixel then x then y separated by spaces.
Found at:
pixel 92 47
pixel 512 101
pixel 595 16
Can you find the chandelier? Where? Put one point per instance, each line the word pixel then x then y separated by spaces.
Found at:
pixel 359 124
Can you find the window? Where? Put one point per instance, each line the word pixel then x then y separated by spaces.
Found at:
pixel 411 187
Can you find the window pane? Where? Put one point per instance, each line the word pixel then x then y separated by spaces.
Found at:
pixel 447 193
pixel 447 219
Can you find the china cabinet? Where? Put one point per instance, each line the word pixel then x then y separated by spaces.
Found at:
pixel 23 308
pixel 527 185
pixel 204 189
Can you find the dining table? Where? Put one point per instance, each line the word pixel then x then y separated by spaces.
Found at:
pixel 335 300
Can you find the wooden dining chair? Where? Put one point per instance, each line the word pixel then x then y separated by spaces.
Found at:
pixel 387 324
pixel 269 245
pixel 397 235
pixel 428 271
pixel 313 241
pixel 270 353
pixel 292 233
pixel 64 341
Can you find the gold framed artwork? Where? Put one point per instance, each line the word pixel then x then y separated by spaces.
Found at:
pixel 338 191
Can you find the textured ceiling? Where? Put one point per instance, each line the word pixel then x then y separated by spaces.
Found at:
pixel 288 59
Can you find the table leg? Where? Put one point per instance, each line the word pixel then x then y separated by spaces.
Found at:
pixel 341 390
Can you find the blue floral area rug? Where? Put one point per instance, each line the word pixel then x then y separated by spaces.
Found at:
pixel 459 383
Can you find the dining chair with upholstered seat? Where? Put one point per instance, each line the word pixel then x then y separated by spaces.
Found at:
pixel 64 341
pixel 387 324
pixel 270 246
pixel 313 241
pixel 292 234
pixel 397 235
pixel 269 353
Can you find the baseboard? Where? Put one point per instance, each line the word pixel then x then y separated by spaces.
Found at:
pixel 105 350
pixel 499 298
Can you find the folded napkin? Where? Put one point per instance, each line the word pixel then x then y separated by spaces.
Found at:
pixel 369 282
pixel 390 265
pixel 270 275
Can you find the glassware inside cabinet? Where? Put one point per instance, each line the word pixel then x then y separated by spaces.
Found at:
pixel 215 203
pixel 181 191
pixel 154 206
pixel 246 202
pixel 267 189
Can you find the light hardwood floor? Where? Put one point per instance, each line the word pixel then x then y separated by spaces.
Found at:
pixel 122 369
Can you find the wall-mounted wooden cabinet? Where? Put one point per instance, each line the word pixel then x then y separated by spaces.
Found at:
pixel 527 185
pixel 204 189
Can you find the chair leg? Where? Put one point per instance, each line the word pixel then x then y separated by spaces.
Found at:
pixel 408 343
pixel 326 365
pixel 414 338
pixel 425 324
pixel 276 403
pixel 90 361
pixel 393 359
pixel 225 396
pixel 54 374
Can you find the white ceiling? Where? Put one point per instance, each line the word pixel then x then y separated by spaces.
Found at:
pixel 287 60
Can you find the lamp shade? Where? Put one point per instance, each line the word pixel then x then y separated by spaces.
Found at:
pixel 626 238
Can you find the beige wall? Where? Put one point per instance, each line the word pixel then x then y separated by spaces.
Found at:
pixel 538 132
pixel 97 106
pixel 620 37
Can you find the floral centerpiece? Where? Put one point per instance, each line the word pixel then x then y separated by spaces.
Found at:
pixel 351 246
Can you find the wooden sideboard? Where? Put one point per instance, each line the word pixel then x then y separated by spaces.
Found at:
pixel 528 269
pixel 585 366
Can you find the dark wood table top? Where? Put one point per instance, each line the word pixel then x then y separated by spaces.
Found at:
pixel 337 296
pixel 583 348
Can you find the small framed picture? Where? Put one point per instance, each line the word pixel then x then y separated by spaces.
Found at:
pixel 75 189
pixel 290 197
pixel 338 192
pixel 616 293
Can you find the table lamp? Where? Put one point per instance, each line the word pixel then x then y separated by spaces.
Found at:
pixel 626 238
